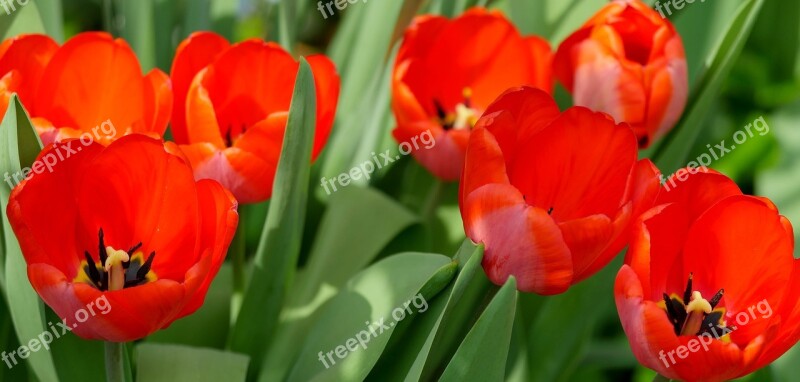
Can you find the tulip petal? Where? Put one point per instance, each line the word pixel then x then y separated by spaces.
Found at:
pixel 740 245
pixel 151 203
pixel 218 225
pixel 157 101
pixel 44 236
pixel 201 115
pixel 656 346
pixel 133 312
pixel 521 241
pixel 565 165
pixel 327 85
pixel 27 56
pixel 484 163
pixel 195 53
pixel 85 81
pixel 697 189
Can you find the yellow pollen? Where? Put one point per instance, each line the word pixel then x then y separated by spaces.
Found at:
pixel 466 117
pixel 698 303
pixel 115 269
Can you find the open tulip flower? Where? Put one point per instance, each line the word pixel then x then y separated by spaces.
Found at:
pixel 232 108
pixel 629 62
pixel 92 81
pixel 448 71
pixel 551 195
pixel 127 223
pixel 710 289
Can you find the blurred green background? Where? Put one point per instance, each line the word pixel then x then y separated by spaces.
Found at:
pixel 571 337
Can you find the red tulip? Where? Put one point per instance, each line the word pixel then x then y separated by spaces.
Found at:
pixel 126 223
pixel 233 104
pixel 551 195
pixel 710 288
pixel 448 71
pixel 90 88
pixel 628 62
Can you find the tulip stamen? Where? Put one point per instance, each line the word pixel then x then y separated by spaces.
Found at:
pixel 464 116
pixel 117 269
pixel 692 314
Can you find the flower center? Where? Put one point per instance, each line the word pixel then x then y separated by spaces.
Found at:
pixel 464 116
pixel 693 314
pixel 117 269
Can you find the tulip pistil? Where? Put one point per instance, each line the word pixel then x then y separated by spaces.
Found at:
pixel 464 116
pixel 693 314
pixel 117 269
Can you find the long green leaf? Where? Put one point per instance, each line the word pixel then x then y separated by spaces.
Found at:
pixel 675 150
pixel 279 247
pixel 177 363
pixel 25 19
pixel 139 30
pixel 483 354
pixel 375 295
pixel 52 17
pixel 407 360
pixel 561 328
pixel 359 222
pixel 20 145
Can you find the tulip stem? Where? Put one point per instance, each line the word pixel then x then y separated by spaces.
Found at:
pixel 432 200
pixel 237 252
pixel 116 369
pixel 661 378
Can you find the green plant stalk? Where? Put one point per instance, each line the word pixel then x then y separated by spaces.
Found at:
pixel 116 371
pixel 238 253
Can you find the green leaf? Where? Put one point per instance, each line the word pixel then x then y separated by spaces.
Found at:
pixel 25 19
pixel 359 222
pixel 198 17
pixel 408 359
pixel 177 363
pixel 20 145
pixel 773 182
pixel 564 324
pixel 465 303
pixel 363 60
pixel 375 296
pixel 223 17
pixel 212 319
pixel 76 359
pixel 52 14
pixel 139 30
pixel 482 355
pixel 676 147
pixel 164 20
pixel 279 247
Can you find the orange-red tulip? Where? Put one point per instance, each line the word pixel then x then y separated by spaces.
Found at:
pixel 127 223
pixel 551 195
pixel 448 71
pixel 233 102
pixel 710 288
pixel 628 62
pixel 70 91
